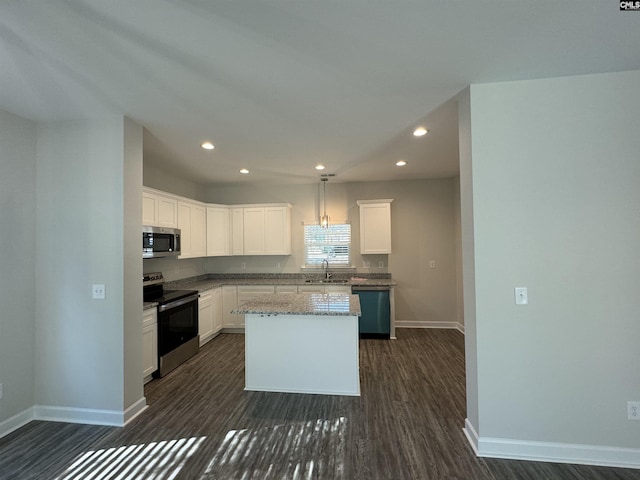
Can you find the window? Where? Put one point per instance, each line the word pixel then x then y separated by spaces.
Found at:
pixel 332 244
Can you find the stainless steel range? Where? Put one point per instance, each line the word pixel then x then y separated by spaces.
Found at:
pixel 178 338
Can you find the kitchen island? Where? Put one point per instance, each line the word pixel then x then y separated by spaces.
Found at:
pixel 302 343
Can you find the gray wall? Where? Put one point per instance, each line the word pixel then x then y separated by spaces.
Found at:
pixel 17 263
pixel 84 236
pixel 555 176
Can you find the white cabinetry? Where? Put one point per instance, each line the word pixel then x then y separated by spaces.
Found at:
pixel 249 292
pixel 237 231
pixel 318 288
pixel 192 223
pixel 218 233
pixel 261 230
pixel 254 232
pixel 311 288
pixel 229 302
pixel 149 343
pixel 217 310
pixel 158 209
pixel 277 230
pixel 375 226
pixel 209 314
pixel 286 289
pixel 205 316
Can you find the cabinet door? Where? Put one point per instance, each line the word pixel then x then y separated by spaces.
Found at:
pixel 341 289
pixel 149 209
pixel 254 231
pixel 237 231
pixel 286 289
pixel 167 212
pixel 375 227
pixel 229 302
pixel 217 310
pixel 218 234
pixel 310 288
pixel 159 210
pixel 149 343
pixel 198 231
pixel 205 316
pixel 277 230
pixel 192 225
pixel 249 292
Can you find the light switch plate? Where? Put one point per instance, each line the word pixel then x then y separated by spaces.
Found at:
pixel 522 297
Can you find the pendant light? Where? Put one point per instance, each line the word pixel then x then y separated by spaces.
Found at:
pixel 324 219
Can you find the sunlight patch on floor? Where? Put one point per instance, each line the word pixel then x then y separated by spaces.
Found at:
pixel 153 461
pixel 313 449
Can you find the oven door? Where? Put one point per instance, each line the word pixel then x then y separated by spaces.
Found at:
pixel 177 323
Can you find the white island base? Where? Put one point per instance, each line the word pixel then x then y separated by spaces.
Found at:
pixel 302 354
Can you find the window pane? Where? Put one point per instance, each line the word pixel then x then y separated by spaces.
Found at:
pixel 332 244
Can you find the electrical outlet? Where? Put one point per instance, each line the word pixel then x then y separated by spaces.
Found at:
pixel 432 264
pixel 380 264
pixel 366 264
pixel 633 410
pixel 1 391
pixel 243 265
pixel 98 291
pixel 278 265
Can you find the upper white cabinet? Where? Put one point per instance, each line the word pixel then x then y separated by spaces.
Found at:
pixel 158 209
pixel 218 231
pixel 375 226
pixel 209 230
pixel 261 230
pixel 192 223
pixel 237 230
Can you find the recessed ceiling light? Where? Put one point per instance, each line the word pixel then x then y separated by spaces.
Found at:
pixel 208 146
pixel 420 131
pixel 244 171
pixel 319 167
pixel 401 163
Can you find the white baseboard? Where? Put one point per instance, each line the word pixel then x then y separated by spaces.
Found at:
pixel 552 452
pixel 14 423
pixel 90 416
pixel 73 415
pixel 426 324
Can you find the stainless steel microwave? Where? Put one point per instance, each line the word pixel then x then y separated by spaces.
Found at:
pixel 160 242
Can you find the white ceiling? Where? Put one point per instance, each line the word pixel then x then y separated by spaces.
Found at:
pixel 279 86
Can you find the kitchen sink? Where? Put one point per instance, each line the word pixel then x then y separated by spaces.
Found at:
pixel 330 280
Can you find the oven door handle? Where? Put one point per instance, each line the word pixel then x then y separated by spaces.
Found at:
pixel 178 302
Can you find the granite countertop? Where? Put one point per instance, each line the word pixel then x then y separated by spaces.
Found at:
pixel 302 304
pixel 149 305
pixel 209 283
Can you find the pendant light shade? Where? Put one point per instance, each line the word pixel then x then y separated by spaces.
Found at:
pixel 324 219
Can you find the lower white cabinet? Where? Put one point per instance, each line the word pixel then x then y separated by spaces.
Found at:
pixel 229 302
pixel 249 292
pixel 149 343
pixel 209 314
pixel 205 316
pixel 286 289
pixel 317 288
pixel 217 310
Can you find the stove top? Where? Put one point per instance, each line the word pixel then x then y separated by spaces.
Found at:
pixel 153 290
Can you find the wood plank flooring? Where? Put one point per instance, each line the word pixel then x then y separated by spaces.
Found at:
pixel 202 425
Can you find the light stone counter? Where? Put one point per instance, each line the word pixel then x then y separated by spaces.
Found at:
pixel 335 304
pixel 302 343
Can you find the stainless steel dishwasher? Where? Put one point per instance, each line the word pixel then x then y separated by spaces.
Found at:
pixel 375 321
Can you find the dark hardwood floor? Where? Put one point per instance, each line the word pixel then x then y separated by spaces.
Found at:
pixel 201 424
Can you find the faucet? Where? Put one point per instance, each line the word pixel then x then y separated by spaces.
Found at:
pixel 325 267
